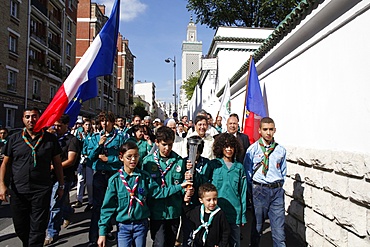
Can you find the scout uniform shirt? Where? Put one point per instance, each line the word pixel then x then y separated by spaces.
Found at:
pixel 117 198
pixel 110 148
pixel 232 188
pixel 170 207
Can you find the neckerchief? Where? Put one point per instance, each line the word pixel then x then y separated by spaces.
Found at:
pixel 131 191
pixel 267 150
pixel 200 164
pixel 205 224
pixel 30 145
pixel 61 138
pixel 163 173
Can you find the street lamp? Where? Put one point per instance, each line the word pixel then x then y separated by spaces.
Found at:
pixel 168 60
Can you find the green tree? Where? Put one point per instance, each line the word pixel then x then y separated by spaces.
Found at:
pixel 190 84
pixel 140 110
pixel 252 13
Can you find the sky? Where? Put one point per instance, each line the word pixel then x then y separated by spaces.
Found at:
pixel 155 30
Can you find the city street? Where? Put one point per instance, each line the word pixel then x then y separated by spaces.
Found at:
pixel 76 234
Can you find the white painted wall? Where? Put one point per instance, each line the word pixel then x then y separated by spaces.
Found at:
pixel 320 97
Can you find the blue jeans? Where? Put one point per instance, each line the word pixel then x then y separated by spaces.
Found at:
pixel 135 231
pixel 100 184
pixel 57 209
pixel 268 203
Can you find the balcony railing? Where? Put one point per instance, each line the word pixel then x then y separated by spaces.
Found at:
pixel 53 46
pixel 40 6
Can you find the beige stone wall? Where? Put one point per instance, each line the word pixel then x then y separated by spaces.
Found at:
pixel 328 197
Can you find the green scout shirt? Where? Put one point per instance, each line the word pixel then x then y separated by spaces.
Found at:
pixel 232 188
pixel 111 150
pixel 170 207
pixel 117 198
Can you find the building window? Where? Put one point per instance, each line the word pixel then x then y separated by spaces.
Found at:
pixel 69 26
pixel 12 81
pixel 99 103
pixel 53 90
pixel 68 70
pixel 33 26
pixel 36 90
pixel 14 6
pixel 10 117
pixel 70 4
pixel 69 50
pixel 13 43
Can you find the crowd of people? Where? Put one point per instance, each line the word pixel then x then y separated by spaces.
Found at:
pixel 187 182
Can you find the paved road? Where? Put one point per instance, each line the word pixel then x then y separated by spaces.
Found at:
pixel 76 234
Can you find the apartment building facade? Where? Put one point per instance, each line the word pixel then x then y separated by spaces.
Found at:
pixel 125 78
pixel 38 55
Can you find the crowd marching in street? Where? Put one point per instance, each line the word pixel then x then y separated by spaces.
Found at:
pixel 185 182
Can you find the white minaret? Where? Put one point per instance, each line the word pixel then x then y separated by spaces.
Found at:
pixel 191 61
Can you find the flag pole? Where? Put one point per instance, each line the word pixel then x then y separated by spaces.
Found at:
pixel 246 90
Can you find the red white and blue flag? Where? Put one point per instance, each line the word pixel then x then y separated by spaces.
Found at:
pixel 255 108
pixel 81 85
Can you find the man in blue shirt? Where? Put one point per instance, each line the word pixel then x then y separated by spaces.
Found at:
pixel 265 165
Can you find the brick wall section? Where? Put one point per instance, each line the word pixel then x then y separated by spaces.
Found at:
pixel 328 197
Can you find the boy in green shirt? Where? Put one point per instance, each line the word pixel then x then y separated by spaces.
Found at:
pixel 166 168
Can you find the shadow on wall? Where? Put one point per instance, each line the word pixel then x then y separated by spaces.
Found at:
pixel 296 210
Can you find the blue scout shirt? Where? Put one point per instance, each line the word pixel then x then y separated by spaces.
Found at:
pixel 277 164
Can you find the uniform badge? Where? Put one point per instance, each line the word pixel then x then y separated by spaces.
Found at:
pixel 154 168
pixel 178 168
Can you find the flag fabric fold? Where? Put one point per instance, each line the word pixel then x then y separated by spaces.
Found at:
pixel 81 85
pixel 255 108
pixel 225 106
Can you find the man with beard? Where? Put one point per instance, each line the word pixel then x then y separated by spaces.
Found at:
pixel 29 154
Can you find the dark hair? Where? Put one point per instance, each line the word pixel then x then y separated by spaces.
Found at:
pixel 6 130
pixel 165 133
pixel 127 146
pixel 234 115
pixel 32 109
pixel 225 140
pixel 135 128
pixel 200 118
pixel 180 123
pixel 106 116
pixel 87 120
pixel 206 187
pixel 266 120
pixel 200 146
pixel 64 119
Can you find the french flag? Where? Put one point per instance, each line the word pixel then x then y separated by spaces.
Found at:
pixel 255 108
pixel 81 85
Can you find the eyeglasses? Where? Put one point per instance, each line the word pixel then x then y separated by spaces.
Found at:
pixel 130 157
pixel 2 133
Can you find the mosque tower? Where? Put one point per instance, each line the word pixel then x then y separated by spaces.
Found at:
pixel 191 61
